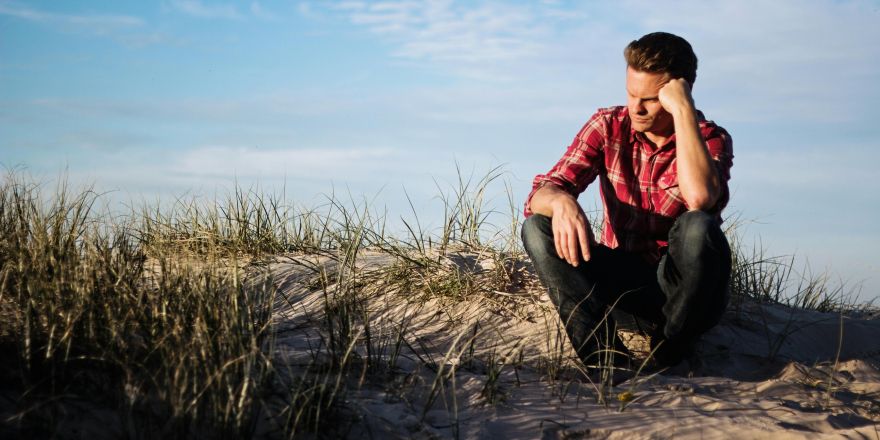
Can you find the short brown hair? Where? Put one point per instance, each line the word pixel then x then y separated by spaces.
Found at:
pixel 662 52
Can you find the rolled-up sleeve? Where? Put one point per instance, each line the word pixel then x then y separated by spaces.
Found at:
pixel 579 166
pixel 720 146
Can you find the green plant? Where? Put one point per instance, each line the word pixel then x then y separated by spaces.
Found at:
pixel 96 318
pixel 164 317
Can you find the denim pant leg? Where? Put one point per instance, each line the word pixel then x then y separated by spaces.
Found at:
pixel 568 287
pixel 694 275
pixel 583 294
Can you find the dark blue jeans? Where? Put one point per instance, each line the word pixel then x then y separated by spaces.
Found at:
pixel 681 297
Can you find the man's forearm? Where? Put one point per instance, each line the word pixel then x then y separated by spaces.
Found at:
pixel 571 229
pixel 697 177
pixel 546 197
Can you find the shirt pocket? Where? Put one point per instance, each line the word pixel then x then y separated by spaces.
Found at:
pixel 668 184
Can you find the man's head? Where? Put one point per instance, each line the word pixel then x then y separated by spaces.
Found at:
pixel 652 61
pixel 662 52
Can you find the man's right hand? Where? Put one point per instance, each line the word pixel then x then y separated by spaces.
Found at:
pixel 571 230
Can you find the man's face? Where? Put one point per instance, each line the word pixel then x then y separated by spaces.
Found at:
pixel 645 111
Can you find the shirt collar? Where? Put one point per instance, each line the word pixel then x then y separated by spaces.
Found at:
pixel 639 136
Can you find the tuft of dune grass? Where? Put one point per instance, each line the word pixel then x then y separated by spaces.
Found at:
pixel 102 328
pixel 159 323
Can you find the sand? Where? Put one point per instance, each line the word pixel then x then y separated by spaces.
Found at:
pixel 767 371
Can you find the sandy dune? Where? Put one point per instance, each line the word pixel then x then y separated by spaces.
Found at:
pixel 767 371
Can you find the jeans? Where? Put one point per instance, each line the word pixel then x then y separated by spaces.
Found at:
pixel 681 297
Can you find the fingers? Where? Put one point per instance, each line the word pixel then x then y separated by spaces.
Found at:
pixel 561 238
pixel 557 240
pixel 571 241
pixel 675 93
pixel 573 254
pixel 584 238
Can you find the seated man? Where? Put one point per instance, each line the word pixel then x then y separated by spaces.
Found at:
pixel 663 172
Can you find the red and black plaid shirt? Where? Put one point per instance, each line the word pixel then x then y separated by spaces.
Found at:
pixel 638 183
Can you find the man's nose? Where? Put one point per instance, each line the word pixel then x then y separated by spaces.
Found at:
pixel 637 108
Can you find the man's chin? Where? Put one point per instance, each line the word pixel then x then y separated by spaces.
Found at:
pixel 641 127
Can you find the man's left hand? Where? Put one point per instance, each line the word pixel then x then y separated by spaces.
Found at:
pixel 675 95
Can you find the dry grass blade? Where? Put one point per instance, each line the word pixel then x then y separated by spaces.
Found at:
pixel 163 319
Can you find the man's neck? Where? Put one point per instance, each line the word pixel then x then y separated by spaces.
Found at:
pixel 658 140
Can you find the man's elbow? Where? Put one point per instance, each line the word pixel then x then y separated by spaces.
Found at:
pixel 546 196
pixel 701 201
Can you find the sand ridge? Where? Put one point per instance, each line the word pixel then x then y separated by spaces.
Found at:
pixel 767 371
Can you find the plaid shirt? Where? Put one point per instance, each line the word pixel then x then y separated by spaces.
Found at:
pixel 638 183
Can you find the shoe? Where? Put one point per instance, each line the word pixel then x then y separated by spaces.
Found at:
pixel 620 369
pixel 669 353
pixel 614 377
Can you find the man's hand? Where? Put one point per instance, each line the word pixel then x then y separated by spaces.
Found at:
pixel 675 96
pixel 697 177
pixel 571 231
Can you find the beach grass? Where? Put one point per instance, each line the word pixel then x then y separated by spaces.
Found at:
pixel 159 323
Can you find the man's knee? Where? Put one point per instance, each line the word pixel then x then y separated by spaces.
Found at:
pixel 695 232
pixel 694 226
pixel 537 233
pixel 695 279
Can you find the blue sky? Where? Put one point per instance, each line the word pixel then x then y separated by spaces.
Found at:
pixel 159 99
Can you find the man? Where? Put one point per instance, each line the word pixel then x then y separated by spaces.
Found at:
pixel 663 172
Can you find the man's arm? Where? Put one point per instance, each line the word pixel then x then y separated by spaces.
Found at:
pixel 555 194
pixel 698 178
pixel 571 230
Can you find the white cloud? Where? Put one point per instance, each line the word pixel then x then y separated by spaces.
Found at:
pixel 226 161
pixel 259 11
pixel 349 5
pixel 759 61
pixel 198 9
pixel 466 40
pixel 223 11
pixel 143 39
pixel 812 61
pixel 127 30
pixel 92 23
pixel 305 10
pixel 261 110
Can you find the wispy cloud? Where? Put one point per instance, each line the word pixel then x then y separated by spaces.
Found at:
pixel 773 53
pixel 128 30
pixel 223 162
pixel 259 11
pixel 198 9
pixel 225 11
pixel 92 23
pixel 746 57
pixel 305 9
pixel 149 38
pixel 463 38
pixel 267 110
